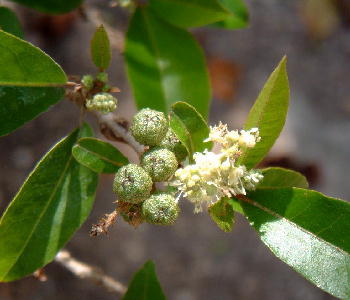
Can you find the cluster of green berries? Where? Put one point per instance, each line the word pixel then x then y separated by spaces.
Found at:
pixel 134 183
pixel 103 101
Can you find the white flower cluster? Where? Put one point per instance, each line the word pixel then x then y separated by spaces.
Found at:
pixel 215 175
pixel 102 102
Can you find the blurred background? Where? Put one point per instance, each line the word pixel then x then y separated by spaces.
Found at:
pixel 194 258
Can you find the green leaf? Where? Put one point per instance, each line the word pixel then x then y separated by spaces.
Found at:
pixel 26 74
pixel 236 205
pixel 190 127
pixel 19 105
pixel 184 13
pixel 268 114
pixel 145 285
pixel 51 6
pixel 22 64
pixel 99 156
pixel 280 177
pixel 239 14
pixel 222 214
pixel 51 205
pixel 100 49
pixel 165 64
pixel 9 22
pixel 306 230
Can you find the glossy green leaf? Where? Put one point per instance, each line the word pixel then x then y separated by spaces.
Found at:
pixel 51 205
pixel 184 13
pixel 306 230
pixel 19 105
pixel 165 64
pixel 26 74
pixel 236 205
pixel 222 214
pixel 239 16
pixel 9 22
pixel 99 156
pixel 279 177
pixel 190 127
pixel 51 6
pixel 268 114
pixel 145 285
pixel 182 133
pixel 100 49
pixel 22 64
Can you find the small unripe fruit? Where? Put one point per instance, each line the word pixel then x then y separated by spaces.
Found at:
pixel 149 127
pixel 172 143
pixel 160 209
pixel 103 77
pixel 103 102
pixel 88 81
pixel 132 184
pixel 159 163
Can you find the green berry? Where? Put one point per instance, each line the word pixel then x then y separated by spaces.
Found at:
pixel 103 77
pixel 103 102
pixel 172 143
pixel 88 82
pixel 132 184
pixel 161 209
pixel 160 163
pixel 149 127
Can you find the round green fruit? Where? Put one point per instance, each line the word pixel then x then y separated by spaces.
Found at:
pixel 160 209
pixel 132 184
pixel 88 81
pixel 160 163
pixel 149 127
pixel 172 143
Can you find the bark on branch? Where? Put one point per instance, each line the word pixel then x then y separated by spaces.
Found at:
pixel 87 272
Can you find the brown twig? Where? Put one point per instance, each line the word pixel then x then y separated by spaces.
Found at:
pixel 85 271
pixel 103 225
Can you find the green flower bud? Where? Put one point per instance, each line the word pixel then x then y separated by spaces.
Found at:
pixel 159 163
pixel 132 184
pixel 172 143
pixel 88 82
pixel 161 209
pixel 106 88
pixel 149 127
pixel 103 102
pixel 103 77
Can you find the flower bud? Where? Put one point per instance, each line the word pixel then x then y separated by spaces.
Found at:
pixel 160 209
pixel 132 184
pixel 103 77
pixel 172 143
pixel 159 163
pixel 103 102
pixel 88 82
pixel 149 127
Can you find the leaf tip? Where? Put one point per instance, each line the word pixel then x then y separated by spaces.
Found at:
pixel 283 61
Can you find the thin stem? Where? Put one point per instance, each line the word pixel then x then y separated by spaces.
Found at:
pixel 118 130
pixel 82 116
pixel 87 272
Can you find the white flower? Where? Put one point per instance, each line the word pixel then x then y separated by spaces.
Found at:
pixel 213 175
pixel 249 138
